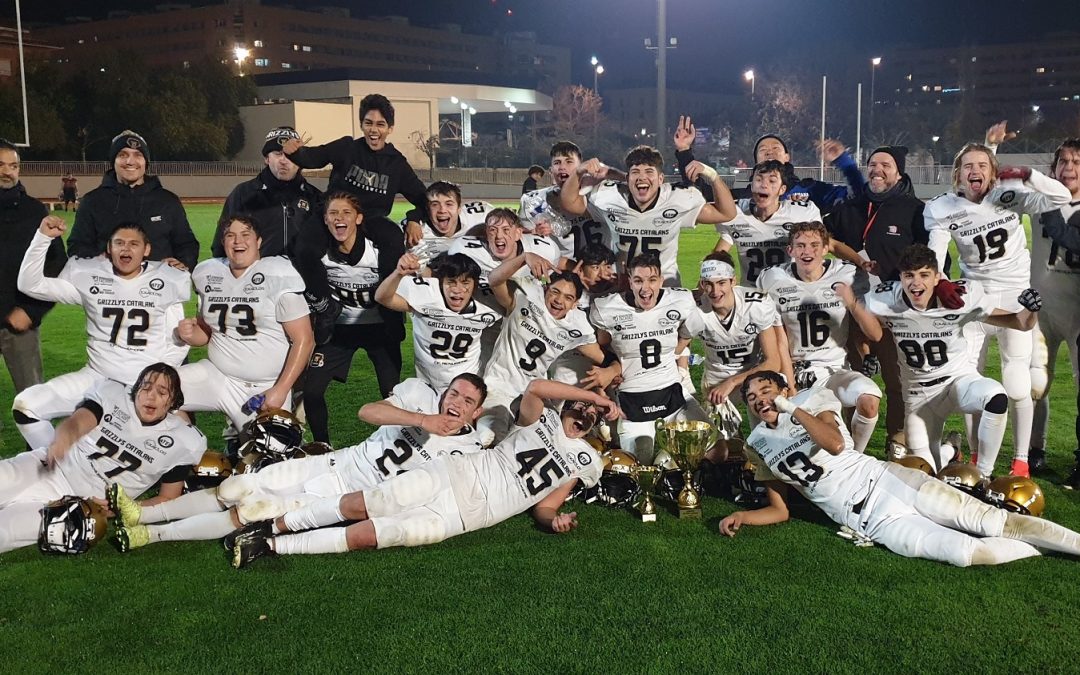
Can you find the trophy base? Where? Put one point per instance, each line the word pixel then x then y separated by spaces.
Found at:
pixel 690 514
pixel 648 517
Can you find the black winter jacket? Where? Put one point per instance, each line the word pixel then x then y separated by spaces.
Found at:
pixel 278 207
pixel 20 216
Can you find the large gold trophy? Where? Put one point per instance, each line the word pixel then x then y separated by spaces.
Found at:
pixel 687 442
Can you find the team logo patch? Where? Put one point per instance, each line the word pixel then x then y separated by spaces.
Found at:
pixel 1008 197
pixel 574 333
pixel 94 290
pixel 751 329
pixel 584 459
pixel 954 227
pixel 165 441
pixel 673 315
pixel 258 278
pixel 669 213
pixel 318 360
pixel 133 143
pixel 303 204
pixel 524 311
pixel 157 284
pixel 207 289
pixel 487 319
pixel 952 317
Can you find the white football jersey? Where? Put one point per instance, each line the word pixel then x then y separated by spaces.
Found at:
pixel 433 243
pixel 393 450
pixel 354 284
pixel 476 248
pixel 645 341
pixel 247 340
pixel 731 345
pixel 129 322
pixel 930 343
pixel 531 339
pixel 835 483
pixel 528 465
pixel 1054 268
pixel 445 343
pixel 121 449
pixel 572 233
pixel 763 244
pixel 631 232
pixel 812 313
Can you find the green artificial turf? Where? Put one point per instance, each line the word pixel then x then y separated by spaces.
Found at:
pixel 614 596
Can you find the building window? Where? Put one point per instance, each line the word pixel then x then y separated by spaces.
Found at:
pixel 187 64
pixel 286 66
pixel 306 48
pixel 258 43
pixel 296 48
pixel 262 63
pixel 1040 70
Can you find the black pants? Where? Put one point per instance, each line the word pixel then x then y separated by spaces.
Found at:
pixel 333 360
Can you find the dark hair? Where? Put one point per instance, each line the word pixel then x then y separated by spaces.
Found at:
pixel 502 214
pixel 353 200
pixel 811 226
pixel 5 144
pixel 444 187
pixel 567 275
pixel 1068 144
pixel 916 257
pixel 770 166
pixel 565 149
pixel 647 259
pixel 644 154
pixel 473 379
pixel 170 374
pixel 597 254
pixel 536 168
pixel 720 256
pixel 128 225
pixel 380 103
pixel 767 375
pixel 240 218
pixel 454 265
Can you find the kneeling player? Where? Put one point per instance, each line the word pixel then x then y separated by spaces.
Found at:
pixel 114 436
pixel 535 467
pixel 803 444
pixel 416 424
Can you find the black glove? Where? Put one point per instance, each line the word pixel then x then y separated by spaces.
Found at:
pixel 1031 300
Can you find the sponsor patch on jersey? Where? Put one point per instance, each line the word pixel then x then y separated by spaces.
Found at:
pixel 674 315
pixel 1008 196
pixel 258 278
pixel 94 290
pixel 584 459
pixel 670 213
pixel 165 441
pixel 157 284
pixel 751 329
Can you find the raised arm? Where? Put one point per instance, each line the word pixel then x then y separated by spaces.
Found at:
pixel 722 208
pixel 532 402
pixel 868 323
pixel 386 294
pixel 32 280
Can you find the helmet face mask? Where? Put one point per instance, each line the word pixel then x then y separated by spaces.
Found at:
pixel 1016 494
pixel 963 477
pixel 274 432
pixel 71 525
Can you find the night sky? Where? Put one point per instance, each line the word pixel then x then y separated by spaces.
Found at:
pixel 718 39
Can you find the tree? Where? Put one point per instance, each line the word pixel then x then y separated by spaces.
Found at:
pixel 427 144
pixel 575 112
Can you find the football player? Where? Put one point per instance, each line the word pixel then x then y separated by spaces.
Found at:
pixel 645 214
pixel 759 229
pixel 415 425
pixel 982 216
pixel 534 468
pixel 1055 271
pixel 804 445
pixel 642 327
pixel 815 325
pixel 254 321
pixel 738 330
pixel 447 319
pixel 596 269
pixel 352 269
pixel 934 369
pixel 132 306
pixel 543 322
pixel 130 438
pixel 446 218
pixel 541 210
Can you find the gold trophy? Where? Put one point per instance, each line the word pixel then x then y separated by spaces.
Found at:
pixel 645 475
pixel 686 442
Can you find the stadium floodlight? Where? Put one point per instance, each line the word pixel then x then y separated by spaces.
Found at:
pixel 464 105
pixel 935 138
pixel 506 104
pixel 749 77
pixel 454 100
pixel 513 110
pixel 594 61
pixel 472 111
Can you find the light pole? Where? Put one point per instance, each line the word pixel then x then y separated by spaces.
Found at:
pixel 874 63
pixel 662 45
pixel 598 70
pixel 749 77
pixel 241 53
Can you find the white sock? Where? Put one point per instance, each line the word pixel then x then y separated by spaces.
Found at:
pixel 184 506
pixel 1023 414
pixel 326 540
pixel 1042 533
pixel 39 434
pixel 322 513
pixel 862 428
pixel 196 528
pixel 991 433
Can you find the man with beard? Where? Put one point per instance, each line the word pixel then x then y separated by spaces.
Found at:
pixel 279 199
pixel 129 195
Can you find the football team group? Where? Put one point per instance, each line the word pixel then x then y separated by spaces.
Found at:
pixel 549 343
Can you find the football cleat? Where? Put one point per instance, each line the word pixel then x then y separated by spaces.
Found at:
pixel 917 463
pixel 1018 494
pixel 963 477
pixel 895 450
pixel 249 548
pixel 1020 468
pixel 126 510
pixel 131 537
pixel 1037 460
pixel 1072 481
pixel 954 440
pixel 260 527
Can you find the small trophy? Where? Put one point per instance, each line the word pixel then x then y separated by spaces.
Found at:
pixel 645 476
pixel 687 442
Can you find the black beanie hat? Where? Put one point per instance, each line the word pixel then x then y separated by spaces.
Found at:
pixel 778 139
pixel 897 152
pixel 128 139
pixel 276 137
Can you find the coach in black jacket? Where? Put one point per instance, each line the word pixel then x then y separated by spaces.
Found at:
pixel 128 195
pixel 279 199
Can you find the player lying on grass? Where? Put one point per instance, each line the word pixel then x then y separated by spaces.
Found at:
pixel 535 468
pixel 130 438
pixel 416 424
pixel 802 443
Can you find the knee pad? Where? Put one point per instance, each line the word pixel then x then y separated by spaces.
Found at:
pixel 418 530
pixel 258 507
pixel 997 405
pixel 236 488
pixel 408 490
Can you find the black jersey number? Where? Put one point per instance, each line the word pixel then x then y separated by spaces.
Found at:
pixel 446 345
pixel 760 258
pixel 992 245
pixel 109 449
pixel 630 245
pixel 931 353
pixel 534 350
pixel 798 467
pixel 734 356
pixel 543 473
pixel 650 353
pixel 813 328
pixel 138 320
pixel 475 208
pixel 356 297
pixel 245 317
pixel 397 455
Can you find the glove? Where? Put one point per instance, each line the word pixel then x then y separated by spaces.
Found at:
pixel 708 173
pixel 1031 300
pixel 1020 172
pixel 782 404
pixel 949 294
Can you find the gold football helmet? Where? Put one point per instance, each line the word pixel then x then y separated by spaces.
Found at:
pixel 619 461
pixel 213 467
pixel 71 525
pixel 917 463
pixel 962 477
pixel 275 431
pixel 1016 494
